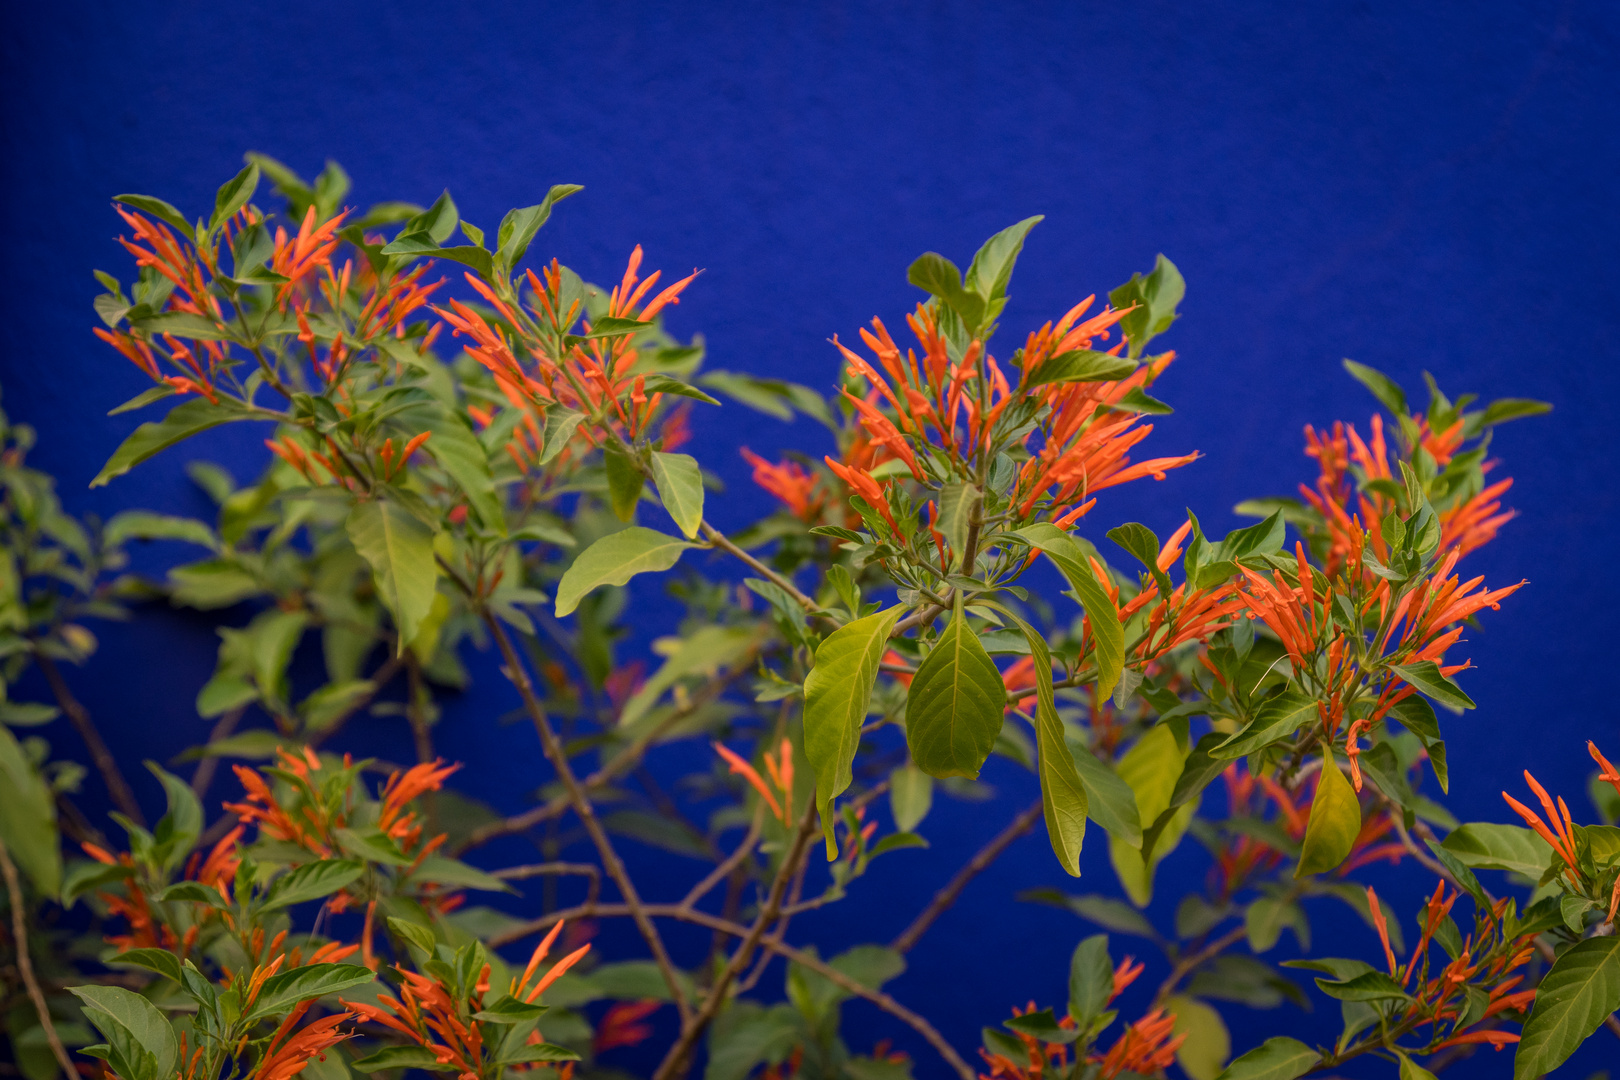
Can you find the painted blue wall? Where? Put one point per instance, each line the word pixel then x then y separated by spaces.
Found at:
pixel 1420 187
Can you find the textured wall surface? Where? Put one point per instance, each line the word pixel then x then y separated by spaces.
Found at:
pixel 1419 187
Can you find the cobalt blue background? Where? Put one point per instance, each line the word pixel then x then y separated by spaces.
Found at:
pixel 1415 186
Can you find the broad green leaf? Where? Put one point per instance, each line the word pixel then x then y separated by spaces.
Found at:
pixel 1276 719
pixel 1505 409
pixel 442 870
pixel 28 817
pixel 705 653
pixel 312 881
pixel 1080 365
pixel 955 706
pixel 143 525
pixel 1105 911
pixel 747 1034
pixel 1367 986
pixel 519 226
pixel 1203 1053
pixel 399 548
pixel 281 992
pixel 1153 299
pixel 624 481
pixel 1140 541
pixel 183 822
pixel 438 221
pixel 1106 630
pixel 936 274
pixel 1266 919
pixel 508 1009
pixel 560 426
pixel 142 1043
pixel 659 383
pixel 1385 389
pixel 168 213
pixel 991 269
pixel 1577 994
pixel 184 420
pixel 1335 820
pixel 1064 802
pixel 680 489
pixel 1411 1070
pixel 614 560
pixel 1151 767
pixel 836 694
pixel 415 933
pixel 537 1052
pixel 1488 846
pixel 1279 1058
pixel 162 961
pixel 911 795
pixel 459 453
pixel 234 194
pixel 1091 979
pixel 1425 675
pixel 1112 802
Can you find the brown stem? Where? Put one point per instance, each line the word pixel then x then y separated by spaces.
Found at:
pixel 519 677
pixel 557 869
pixel 678 1059
pixel 731 862
pixel 379 679
pixel 788 952
pixel 110 774
pixel 719 539
pixel 975 866
pixel 25 966
pixel 1189 963
pixel 204 776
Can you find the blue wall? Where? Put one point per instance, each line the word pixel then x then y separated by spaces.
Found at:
pixel 1415 186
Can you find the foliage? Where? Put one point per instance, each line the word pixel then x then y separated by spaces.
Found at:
pixel 417 504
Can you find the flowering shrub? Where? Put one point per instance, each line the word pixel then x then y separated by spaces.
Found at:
pixel 472 447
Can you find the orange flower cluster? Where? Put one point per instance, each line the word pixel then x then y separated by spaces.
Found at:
pixel 1560 835
pixel 431 1016
pixel 779 766
pixel 1442 996
pixel 790 483
pixel 1182 616
pixel 594 375
pixel 218 870
pixel 1145 1047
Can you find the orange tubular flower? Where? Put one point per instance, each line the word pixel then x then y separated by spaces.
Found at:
pixel 285 1058
pixel 622 1026
pixel 300 256
pixel 863 484
pixel 787 481
pixel 1561 836
pixel 1146 1047
pixel 781 773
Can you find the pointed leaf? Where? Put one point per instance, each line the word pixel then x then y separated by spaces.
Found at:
pixel 1577 994
pixel 1112 802
pixel 614 560
pixel 1081 365
pixel 991 269
pixel 1335 820
pixel 836 695
pixel 519 226
pixel 281 992
pixel 955 706
pixel 399 549
pixel 1385 389
pixel 1279 1058
pixel 1426 676
pixel 680 489
pixel 1276 719
pixel 1106 630
pixel 311 882
pixel 184 420
pixel 234 194
pixel 142 1042
pixel 28 817
pixel 1064 802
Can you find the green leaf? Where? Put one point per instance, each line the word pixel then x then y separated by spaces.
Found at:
pixel 162 961
pixel 1140 401
pixel 141 1042
pixel 1106 630
pixel 184 420
pixel 401 1057
pixel 1411 1070
pixel 1504 409
pixel 184 324
pixel 475 258
pixel 508 1010
pixel 1266 919
pixel 1385 389
pixel 1152 768
pixel 1105 911
pixel 399 549
pixel 1279 1058
pixel 659 383
pixel 519 226
pixel 1091 979
pixel 181 825
pixel 1276 719
pixel 837 692
pixel 143 525
pixel 1064 802
pixel 459 453
pixel 955 706
pixel 1203 1053
pixel 1368 986
pixel 746 1034
pixel 704 653
pixel 1154 299
pixel 1081 365
pixel 1112 802
pixel 911 795
pixel 538 1052
pixel 371 845
pixel 1425 675
pixel 991 269
pixel 1140 541
pixel 1487 846
pixel 193 892
pixel 438 221
pixel 446 871
pixel 680 489
pixel 614 560
pixel 143 399
pixel 165 212
pixel 415 933
pixel 560 425
pixel 312 881
pixel 936 274
pixel 624 481
pixel 1577 994
pixel 281 992
pixel 234 194
pixel 28 817
pixel 1335 820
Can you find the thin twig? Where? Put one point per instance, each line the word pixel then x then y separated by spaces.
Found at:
pixel 519 677
pixel 117 787
pixel 1189 963
pixel 204 776
pixel 731 862
pixel 719 539
pixel 557 869
pixel 678 1059
pixel 25 966
pixel 788 952
pixel 975 866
